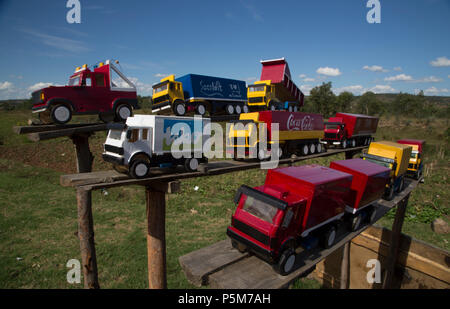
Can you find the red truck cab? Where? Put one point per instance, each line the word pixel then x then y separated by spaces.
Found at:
pixel 294 203
pixel 104 91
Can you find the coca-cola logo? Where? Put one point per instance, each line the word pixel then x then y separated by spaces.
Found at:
pixel 304 124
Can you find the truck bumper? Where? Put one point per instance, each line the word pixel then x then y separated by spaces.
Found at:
pixel 39 107
pixel 267 255
pixel 161 106
pixel 112 159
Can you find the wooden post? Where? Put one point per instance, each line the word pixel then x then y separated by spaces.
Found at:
pixel 394 244
pixel 345 266
pixel 86 237
pixel 84 155
pixel 155 196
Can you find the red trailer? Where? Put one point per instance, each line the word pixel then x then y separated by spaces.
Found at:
pixel 368 185
pixel 294 204
pixel 350 130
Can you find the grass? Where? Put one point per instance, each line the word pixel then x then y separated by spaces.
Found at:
pixel 38 219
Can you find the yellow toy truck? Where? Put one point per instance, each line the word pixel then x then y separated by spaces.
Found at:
pixel 394 156
pixel 415 167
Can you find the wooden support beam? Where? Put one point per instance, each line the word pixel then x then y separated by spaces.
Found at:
pixel 345 268
pixel 86 237
pixel 84 155
pixel 394 243
pixel 155 196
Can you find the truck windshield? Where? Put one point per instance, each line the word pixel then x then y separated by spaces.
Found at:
pixel 414 154
pixel 332 126
pixel 255 88
pixel 115 134
pixel 382 163
pixel 160 88
pixel 260 209
pixel 74 81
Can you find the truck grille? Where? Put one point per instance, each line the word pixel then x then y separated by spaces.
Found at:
pixel 36 97
pixel 114 149
pixel 330 135
pixel 160 99
pixel 256 100
pixel 264 239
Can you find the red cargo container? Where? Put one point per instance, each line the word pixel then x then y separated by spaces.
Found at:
pixel 293 203
pixel 368 184
pixel 350 130
pixel 418 142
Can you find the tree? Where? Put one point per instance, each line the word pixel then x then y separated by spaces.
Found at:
pixel 344 100
pixel 369 104
pixel 323 100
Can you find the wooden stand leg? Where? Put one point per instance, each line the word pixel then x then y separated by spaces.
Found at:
pixel 395 239
pixel 84 155
pixel 86 236
pixel 345 266
pixel 156 238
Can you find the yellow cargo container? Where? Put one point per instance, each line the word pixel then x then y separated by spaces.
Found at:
pixel 400 153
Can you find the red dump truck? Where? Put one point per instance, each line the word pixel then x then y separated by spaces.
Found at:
pixel 368 186
pixel 275 90
pixel 303 206
pixel 349 130
pixel 293 203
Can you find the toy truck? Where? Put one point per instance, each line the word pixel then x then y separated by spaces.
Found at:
pixel 146 141
pixel 275 90
pixel 295 205
pixel 298 133
pixel 349 130
pixel 104 91
pixel 199 94
pixel 415 166
pixel 393 156
pixel 368 186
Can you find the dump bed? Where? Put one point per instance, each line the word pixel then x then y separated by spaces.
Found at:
pixel 292 125
pixel 325 189
pixel 399 152
pixel 357 124
pixel 416 143
pixel 277 71
pixel 368 184
pixel 213 88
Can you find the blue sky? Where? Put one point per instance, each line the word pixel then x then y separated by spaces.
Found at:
pixel 322 40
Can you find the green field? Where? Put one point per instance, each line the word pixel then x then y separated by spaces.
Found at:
pixel 38 217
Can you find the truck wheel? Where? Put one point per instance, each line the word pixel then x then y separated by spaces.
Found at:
pixel 312 149
pixel 139 169
pixel 180 109
pixel 402 185
pixel 290 109
pixel 418 174
pixel 245 109
pixel 344 144
pixel 372 214
pixel 356 222
pixel 60 114
pixel 238 109
pixel 123 111
pixel 191 164
pixel 287 261
pixel 295 109
pixel 272 107
pixel 353 143
pixel 201 109
pixel 329 237
pixel 319 147
pixel 305 150
pixel 389 193
pixel 229 109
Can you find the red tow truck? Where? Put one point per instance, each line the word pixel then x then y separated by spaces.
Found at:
pixel 104 91
pixel 349 130
pixel 301 206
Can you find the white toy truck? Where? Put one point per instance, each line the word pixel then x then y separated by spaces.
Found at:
pixel 146 141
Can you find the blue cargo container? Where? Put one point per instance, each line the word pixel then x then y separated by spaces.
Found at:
pixel 218 94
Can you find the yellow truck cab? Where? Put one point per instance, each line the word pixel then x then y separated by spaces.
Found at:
pixel 262 95
pixel 415 167
pixel 166 93
pixel 394 156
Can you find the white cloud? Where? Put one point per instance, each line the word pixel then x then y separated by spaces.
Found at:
pixel 382 89
pixel 375 68
pixel 306 89
pixel 142 88
pixel 6 85
pixel 435 91
pixel 57 42
pixel 448 76
pixel 355 89
pixel 441 62
pixel 430 79
pixel 304 75
pixel 161 75
pixel 397 68
pixel 309 79
pixel 400 77
pixel 38 86
pixel 329 71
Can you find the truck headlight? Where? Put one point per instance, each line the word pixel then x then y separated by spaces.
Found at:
pixel 42 96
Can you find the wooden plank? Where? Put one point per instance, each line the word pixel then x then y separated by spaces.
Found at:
pixel 91 178
pixel 50 127
pixel 44 135
pixel 213 168
pixel 197 265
